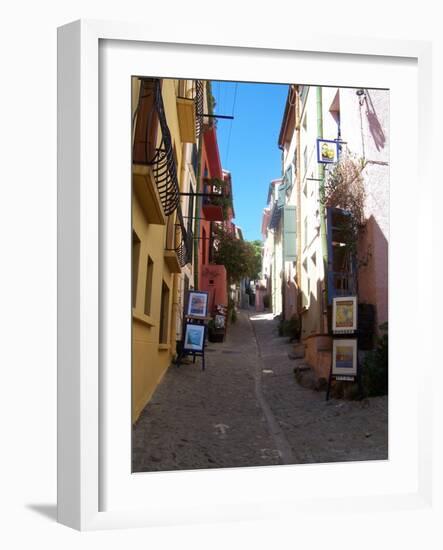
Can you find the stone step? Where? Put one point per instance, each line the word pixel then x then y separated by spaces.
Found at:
pixel 298 351
pixel 300 367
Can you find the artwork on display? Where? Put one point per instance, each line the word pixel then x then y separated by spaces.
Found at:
pixel 344 357
pixel 219 321
pixel 194 337
pixel 327 151
pixel 198 304
pixel 344 314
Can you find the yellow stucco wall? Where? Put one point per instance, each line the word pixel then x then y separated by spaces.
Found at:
pixel 150 358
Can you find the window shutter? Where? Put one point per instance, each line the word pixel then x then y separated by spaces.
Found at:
pixel 290 233
pixel 281 194
pixel 288 177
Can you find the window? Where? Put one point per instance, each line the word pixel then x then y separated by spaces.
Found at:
pixel 305 159
pixel 164 314
pixel 148 289
pixel 135 265
pixel 305 241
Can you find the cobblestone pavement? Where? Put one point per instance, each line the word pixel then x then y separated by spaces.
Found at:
pixel 246 409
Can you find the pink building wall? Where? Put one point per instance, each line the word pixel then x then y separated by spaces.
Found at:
pixel 370 141
pixel 213 280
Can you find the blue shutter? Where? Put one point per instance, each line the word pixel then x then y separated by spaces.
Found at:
pixel 330 274
pixel 289 233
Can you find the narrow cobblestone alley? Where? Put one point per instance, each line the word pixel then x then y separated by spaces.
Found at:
pixel 246 409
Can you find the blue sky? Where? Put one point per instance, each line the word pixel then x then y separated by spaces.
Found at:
pixel 250 152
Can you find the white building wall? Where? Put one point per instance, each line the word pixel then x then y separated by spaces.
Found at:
pixel 312 272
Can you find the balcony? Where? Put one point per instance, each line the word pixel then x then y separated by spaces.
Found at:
pixel 217 201
pixel 190 111
pixel 275 216
pixel 186 119
pixel 341 283
pixel 153 144
pixel 180 254
pixel 145 189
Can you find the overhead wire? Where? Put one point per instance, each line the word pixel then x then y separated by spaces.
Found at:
pixel 230 126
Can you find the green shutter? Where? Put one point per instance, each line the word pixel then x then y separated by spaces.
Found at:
pixel 290 233
pixel 288 178
pixel 281 195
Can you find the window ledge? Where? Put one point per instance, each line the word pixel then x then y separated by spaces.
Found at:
pixel 143 318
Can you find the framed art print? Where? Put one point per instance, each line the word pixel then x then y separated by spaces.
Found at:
pixel 344 314
pixel 194 337
pixel 108 317
pixel 344 357
pixel 197 304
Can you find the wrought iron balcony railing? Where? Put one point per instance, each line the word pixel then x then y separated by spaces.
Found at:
pixel 185 239
pixel 342 283
pixel 153 149
pixel 198 106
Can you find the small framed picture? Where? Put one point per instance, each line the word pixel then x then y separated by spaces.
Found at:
pixel 197 303
pixel 344 314
pixel 327 151
pixel 219 321
pixel 194 337
pixel 344 357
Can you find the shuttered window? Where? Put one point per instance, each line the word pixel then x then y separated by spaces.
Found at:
pixel 288 178
pixel 290 233
pixel 281 195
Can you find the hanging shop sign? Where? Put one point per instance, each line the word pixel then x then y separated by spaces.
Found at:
pixel 197 304
pixel 327 151
pixel 344 358
pixel 344 314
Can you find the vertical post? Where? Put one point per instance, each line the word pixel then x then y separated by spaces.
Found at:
pixel 197 208
pixel 321 177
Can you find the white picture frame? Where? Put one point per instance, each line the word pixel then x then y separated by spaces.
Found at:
pixel 344 357
pixel 338 324
pixel 85 369
pixel 197 304
pixel 327 151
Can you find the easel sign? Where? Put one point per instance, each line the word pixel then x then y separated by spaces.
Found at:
pixel 344 315
pixel 344 365
pixel 197 304
pixel 194 337
pixel 344 358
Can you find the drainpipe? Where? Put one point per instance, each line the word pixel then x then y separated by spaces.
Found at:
pixel 321 177
pixel 197 209
pixel 298 185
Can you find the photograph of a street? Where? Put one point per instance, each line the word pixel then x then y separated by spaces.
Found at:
pixel 260 230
